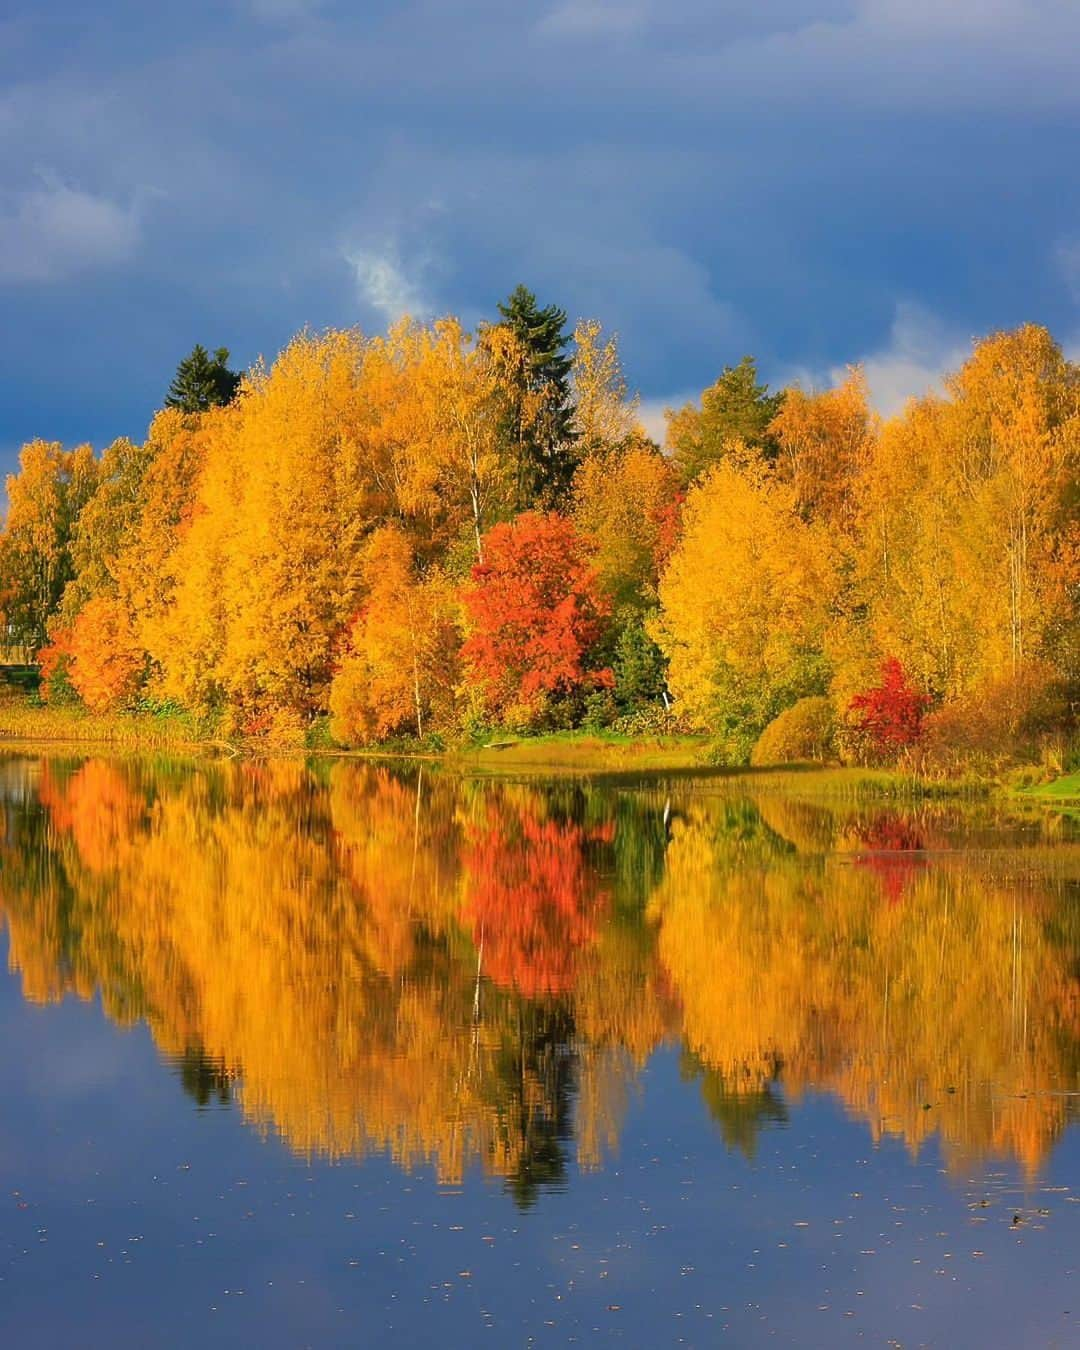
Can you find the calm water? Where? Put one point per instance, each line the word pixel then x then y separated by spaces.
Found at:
pixel 343 1056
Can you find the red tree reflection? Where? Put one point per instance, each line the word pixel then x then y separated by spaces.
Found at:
pixel 535 898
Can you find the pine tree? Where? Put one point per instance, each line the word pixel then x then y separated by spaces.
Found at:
pixel 202 381
pixel 735 408
pixel 541 418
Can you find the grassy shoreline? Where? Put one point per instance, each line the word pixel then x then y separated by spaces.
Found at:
pixel 27 727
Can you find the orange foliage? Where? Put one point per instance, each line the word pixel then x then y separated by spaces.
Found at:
pixel 106 658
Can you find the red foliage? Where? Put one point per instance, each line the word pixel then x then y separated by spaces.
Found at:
pixel 891 714
pixel 894 853
pixel 535 899
pixel 668 520
pixel 536 609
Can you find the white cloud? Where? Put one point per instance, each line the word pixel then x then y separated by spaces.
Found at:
pixel 919 352
pixel 52 231
pixel 383 285
pixel 652 413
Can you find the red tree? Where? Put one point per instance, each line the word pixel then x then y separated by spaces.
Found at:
pixel 536 611
pixel 890 715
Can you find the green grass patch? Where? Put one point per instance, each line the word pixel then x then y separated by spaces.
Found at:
pixel 1066 788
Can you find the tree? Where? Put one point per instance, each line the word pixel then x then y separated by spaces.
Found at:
pixel 536 611
pixel 621 503
pixel 737 408
pixel 400 664
pixel 889 715
pixel 541 418
pixel 745 604
pixel 45 499
pixel 105 661
pixel 605 413
pixel 203 381
pixel 824 441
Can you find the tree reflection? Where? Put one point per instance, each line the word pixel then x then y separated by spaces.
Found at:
pixel 474 973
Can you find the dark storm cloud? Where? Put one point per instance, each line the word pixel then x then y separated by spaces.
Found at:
pixel 812 180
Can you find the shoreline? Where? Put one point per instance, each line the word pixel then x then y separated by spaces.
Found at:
pixel 25 729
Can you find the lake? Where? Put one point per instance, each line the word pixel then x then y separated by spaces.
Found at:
pixel 341 1054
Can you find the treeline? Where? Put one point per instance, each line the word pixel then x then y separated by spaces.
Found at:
pixel 432 534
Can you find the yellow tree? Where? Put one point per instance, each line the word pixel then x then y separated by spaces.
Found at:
pixel 400 665
pixel 745 603
pixel 106 524
pixel 605 412
pixel 621 502
pixel 824 440
pixel 967 523
pixel 45 499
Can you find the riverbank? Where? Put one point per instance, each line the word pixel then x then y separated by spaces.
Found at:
pixel 30 727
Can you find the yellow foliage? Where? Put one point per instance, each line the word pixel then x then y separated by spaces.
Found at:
pixel 400 666
pixel 745 599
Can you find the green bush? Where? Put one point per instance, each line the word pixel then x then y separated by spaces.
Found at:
pixel 804 732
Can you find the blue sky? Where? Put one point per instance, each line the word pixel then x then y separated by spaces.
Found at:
pixel 813 181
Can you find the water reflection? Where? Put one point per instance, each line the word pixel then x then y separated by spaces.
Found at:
pixel 459 972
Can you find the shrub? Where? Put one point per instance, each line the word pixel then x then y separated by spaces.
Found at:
pixel 888 718
pixel 998 723
pixel 805 731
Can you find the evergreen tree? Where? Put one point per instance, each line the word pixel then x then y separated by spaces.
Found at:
pixel 203 381
pixel 735 408
pixel 541 420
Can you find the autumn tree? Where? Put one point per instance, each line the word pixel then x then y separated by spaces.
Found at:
pixel 745 604
pixel 967 525
pixel 399 667
pixel 823 441
pixel 45 499
pixel 889 716
pixel 106 659
pixel 621 500
pixel 105 525
pixel 605 413
pixel 535 612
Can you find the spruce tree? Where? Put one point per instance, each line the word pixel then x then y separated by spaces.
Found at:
pixel 736 408
pixel 202 381
pixel 543 439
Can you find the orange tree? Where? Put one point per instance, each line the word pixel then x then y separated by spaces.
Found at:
pixel 536 614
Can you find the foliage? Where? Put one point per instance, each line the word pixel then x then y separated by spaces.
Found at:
pixel 54 664
pixel 399 669
pixel 202 381
pixel 621 502
pixel 535 611
pixel 639 667
pixel 888 718
pixel 804 732
pixel 745 605
pixel 106 662
pixel 310 546
pixel 45 499
pixel 734 410
pixel 540 425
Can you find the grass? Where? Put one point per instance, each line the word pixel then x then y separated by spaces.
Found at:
pixel 30 725
pixel 588 752
pixel 1066 788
